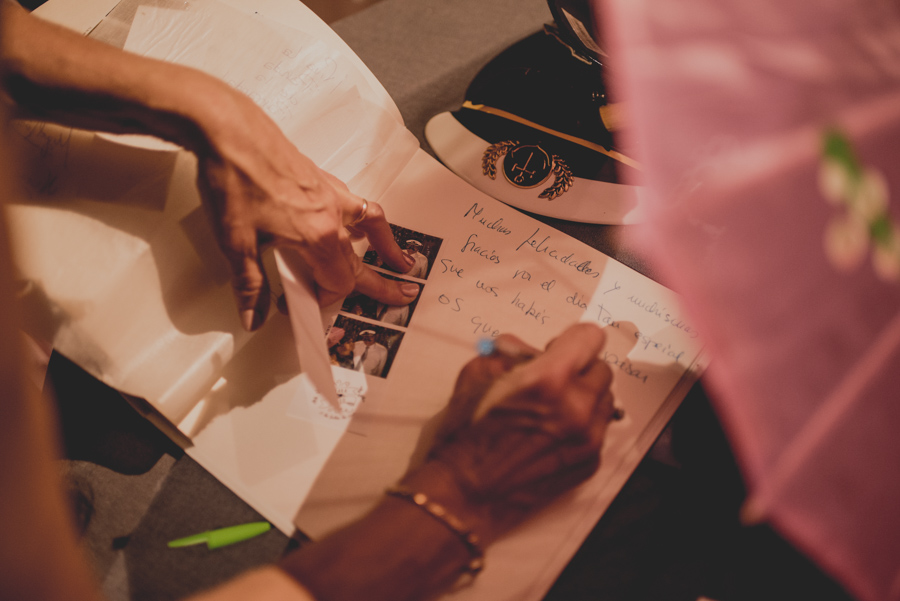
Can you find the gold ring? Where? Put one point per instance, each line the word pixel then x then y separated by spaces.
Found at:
pixel 361 215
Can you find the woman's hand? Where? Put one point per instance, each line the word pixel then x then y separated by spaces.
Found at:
pixel 261 191
pixel 540 435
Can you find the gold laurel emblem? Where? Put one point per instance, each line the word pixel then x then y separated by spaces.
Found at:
pixel 490 156
pixel 563 179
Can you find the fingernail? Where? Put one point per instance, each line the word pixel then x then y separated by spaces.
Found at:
pixel 409 260
pixel 409 289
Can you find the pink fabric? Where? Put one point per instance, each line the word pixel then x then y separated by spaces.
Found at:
pixel 728 101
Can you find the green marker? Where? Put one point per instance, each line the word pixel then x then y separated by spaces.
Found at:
pixel 223 536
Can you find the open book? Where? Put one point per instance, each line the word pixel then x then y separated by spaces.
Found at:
pixel 131 286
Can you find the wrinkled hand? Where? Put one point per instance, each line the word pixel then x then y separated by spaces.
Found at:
pixel 261 191
pixel 540 436
pixel 258 188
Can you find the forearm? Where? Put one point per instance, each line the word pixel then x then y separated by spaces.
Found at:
pixel 39 555
pixel 398 552
pixel 395 553
pixel 56 75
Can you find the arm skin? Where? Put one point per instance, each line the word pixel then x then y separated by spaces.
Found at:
pixel 258 188
pixel 39 556
pixel 541 437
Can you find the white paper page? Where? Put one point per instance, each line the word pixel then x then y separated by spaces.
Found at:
pixel 262 433
pixel 81 16
pixel 306 324
pixel 110 21
pixel 299 16
pixel 114 232
pixel 496 270
pixel 309 85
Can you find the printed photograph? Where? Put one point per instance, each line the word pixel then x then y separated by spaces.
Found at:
pixel 362 346
pixel 421 247
pixel 363 306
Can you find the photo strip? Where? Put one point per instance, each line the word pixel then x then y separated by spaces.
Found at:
pixel 361 305
pixel 362 346
pixel 366 334
pixel 421 247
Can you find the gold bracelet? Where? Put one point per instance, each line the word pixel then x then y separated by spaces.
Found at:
pixel 456 525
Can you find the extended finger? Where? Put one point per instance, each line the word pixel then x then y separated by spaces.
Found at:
pixel 574 350
pixel 251 292
pixel 376 228
pixel 390 292
pixel 366 218
pixel 248 280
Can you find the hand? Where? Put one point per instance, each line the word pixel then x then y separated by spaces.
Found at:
pixel 261 191
pixel 540 437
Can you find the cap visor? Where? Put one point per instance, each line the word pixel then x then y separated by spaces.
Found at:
pixel 587 201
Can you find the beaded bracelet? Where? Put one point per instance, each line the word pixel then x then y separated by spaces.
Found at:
pixel 440 513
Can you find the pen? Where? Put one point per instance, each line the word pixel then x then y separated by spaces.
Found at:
pixel 490 346
pixel 222 537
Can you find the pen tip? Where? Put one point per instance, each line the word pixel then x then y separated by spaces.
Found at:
pixel 485 347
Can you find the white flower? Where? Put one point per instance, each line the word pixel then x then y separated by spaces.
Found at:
pixel 871 198
pixel 835 181
pixel 846 241
pixel 886 257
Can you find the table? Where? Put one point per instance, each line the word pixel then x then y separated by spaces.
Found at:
pixel 671 534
